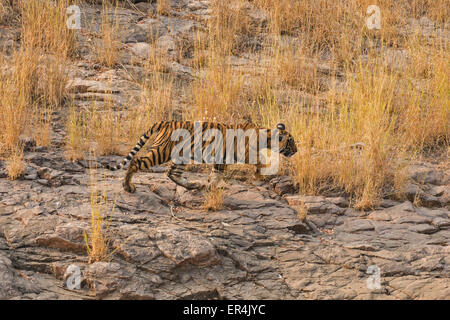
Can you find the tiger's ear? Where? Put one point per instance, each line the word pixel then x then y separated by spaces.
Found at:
pixel 281 126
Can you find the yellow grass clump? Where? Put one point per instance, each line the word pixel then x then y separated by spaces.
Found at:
pixel 6 11
pixel 98 239
pixel 163 7
pixel 14 164
pixel 108 47
pixel 364 115
pixel 213 198
pixel 34 83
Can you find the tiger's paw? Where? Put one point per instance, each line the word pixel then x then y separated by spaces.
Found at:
pixel 130 188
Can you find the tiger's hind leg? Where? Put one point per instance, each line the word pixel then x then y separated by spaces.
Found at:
pixel 140 163
pixel 175 174
pixel 132 169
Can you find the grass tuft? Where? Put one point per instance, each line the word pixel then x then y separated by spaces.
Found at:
pixel 98 239
pixel 213 199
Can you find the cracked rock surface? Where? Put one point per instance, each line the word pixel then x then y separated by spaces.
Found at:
pixel 164 246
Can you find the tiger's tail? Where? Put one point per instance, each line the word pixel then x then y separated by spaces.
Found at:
pixel 142 140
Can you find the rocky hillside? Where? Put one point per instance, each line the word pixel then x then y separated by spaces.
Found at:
pixel 269 241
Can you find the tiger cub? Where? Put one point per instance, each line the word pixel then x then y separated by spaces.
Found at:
pixel 163 145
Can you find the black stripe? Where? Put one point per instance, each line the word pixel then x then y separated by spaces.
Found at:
pixel 159 157
pixel 146 165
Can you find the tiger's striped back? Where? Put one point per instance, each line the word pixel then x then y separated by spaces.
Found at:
pixel 161 136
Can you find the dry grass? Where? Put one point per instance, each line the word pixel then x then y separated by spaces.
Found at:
pixel 156 103
pixel 109 129
pixel 215 96
pixel 15 165
pixel 380 109
pixel 98 239
pixel 424 98
pixel 218 93
pixel 107 50
pixel 213 198
pixel 34 84
pixel 42 125
pixel 6 11
pixel 363 114
pixel 228 27
pixel 76 135
pixel 163 7
pixel 295 68
pixel 104 127
pixel 394 114
pixel 14 103
pixel 437 10
pixel 302 211
pixel 96 129
pixel 44 32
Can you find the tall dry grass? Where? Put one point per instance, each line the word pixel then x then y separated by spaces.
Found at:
pixel 163 7
pixel 107 128
pixel 423 100
pixel 229 27
pixel 95 129
pixel 98 238
pixel 6 11
pixel 214 198
pixel 156 103
pixel 33 77
pixel 392 114
pixel 366 116
pixel 76 133
pixel 14 164
pixel 107 49
pixel 218 92
pixel 351 145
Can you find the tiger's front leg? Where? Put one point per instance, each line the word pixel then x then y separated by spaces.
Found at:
pixel 175 174
pixel 258 172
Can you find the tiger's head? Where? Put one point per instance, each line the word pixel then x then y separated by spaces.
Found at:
pixel 286 142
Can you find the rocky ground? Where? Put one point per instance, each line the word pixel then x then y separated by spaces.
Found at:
pixel 164 246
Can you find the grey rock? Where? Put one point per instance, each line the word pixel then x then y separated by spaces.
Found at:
pixel 356 225
pixel 13 284
pixel 183 247
pixel 424 228
pixel 140 49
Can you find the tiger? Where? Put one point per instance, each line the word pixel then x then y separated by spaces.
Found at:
pixel 162 145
